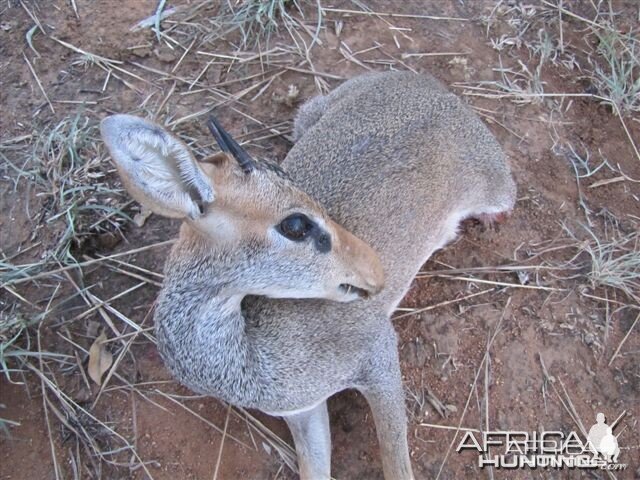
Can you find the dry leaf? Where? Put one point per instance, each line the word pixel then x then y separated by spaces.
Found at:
pixel 100 359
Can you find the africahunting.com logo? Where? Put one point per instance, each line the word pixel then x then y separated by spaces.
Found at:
pixel 546 449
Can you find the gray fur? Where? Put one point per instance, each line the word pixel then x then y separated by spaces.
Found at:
pixel 312 437
pixel 398 161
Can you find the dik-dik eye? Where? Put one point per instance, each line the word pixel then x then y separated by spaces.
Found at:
pixel 296 227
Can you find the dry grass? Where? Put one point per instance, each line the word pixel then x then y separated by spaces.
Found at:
pixel 72 174
pixel 257 20
pixel 616 69
pixel 609 262
pixel 612 68
pixel 56 279
pixel 69 190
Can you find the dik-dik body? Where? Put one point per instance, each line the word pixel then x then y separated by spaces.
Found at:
pixel 393 158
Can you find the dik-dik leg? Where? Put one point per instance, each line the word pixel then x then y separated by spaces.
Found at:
pixel 312 438
pixel 385 395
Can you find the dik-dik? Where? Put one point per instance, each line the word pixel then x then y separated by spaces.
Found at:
pixel 261 304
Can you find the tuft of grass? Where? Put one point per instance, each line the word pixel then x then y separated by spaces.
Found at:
pixel 609 261
pixel 70 178
pixel 258 19
pixel 613 255
pixel 617 75
pixel 615 263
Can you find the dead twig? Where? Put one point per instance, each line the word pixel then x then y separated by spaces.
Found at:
pixel 615 354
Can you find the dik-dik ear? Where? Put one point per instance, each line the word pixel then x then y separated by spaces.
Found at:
pixel 156 168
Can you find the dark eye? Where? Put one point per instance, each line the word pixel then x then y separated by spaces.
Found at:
pixel 296 227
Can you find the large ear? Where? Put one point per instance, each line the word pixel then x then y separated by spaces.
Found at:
pixel 156 168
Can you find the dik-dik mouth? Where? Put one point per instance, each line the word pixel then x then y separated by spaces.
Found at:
pixel 352 289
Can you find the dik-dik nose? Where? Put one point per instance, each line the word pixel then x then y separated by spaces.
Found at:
pixel 362 263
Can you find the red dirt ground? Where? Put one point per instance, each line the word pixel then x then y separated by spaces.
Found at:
pixel 441 349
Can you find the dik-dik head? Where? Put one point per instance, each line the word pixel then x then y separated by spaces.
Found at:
pixel 275 239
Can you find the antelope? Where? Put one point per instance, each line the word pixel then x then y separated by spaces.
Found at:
pixel 279 289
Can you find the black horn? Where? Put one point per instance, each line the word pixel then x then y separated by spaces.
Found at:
pixel 229 145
